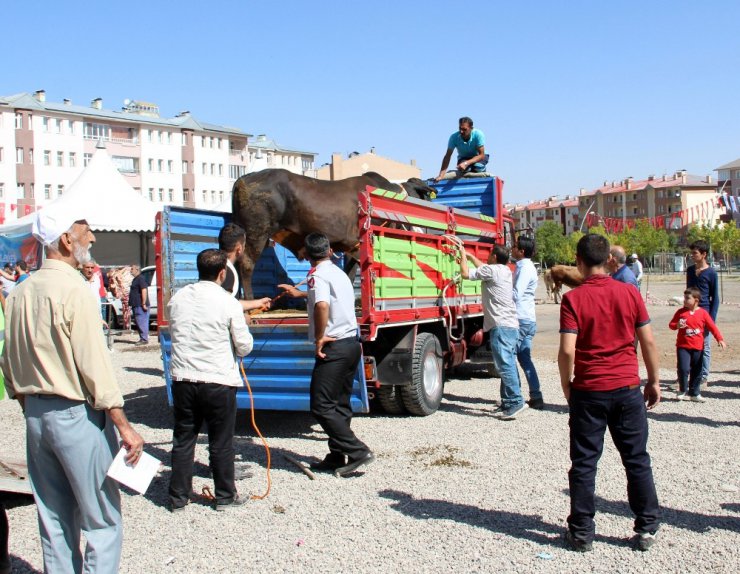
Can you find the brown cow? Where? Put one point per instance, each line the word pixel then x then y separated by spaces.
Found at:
pixel 559 275
pixel 284 206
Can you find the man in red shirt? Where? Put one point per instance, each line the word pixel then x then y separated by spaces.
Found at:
pixel 601 382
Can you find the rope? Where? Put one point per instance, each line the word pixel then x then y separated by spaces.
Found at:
pixel 257 430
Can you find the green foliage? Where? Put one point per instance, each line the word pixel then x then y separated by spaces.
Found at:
pixel 725 241
pixel 550 241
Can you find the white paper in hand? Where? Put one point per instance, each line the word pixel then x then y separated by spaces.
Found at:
pixel 136 477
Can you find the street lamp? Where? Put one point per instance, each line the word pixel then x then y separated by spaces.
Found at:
pixel 590 207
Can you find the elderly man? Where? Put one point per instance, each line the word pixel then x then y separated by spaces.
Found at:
pixel 471 150
pixel 618 268
pixel 209 332
pixel 57 366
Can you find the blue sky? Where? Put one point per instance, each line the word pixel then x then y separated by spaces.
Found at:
pixel 569 94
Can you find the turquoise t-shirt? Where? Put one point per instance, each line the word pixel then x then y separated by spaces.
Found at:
pixel 467 149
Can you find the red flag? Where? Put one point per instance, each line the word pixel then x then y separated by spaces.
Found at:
pixel 13 206
pixel 27 209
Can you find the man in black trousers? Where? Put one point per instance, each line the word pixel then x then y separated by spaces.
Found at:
pixel 332 326
pixel 208 332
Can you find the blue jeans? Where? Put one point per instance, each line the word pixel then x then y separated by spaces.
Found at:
pixel 688 366
pixel 503 347
pixel 623 412
pixel 707 357
pixel 141 318
pixel 477 167
pixel 70 447
pixel 527 330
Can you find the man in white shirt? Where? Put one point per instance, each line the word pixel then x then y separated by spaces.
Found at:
pixel 525 285
pixel 499 317
pixel 637 269
pixel 208 332
pixel 332 327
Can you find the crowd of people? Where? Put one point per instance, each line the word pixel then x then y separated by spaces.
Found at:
pixel 56 365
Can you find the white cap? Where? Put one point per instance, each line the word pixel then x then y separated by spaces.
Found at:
pixel 49 224
pixel 634 256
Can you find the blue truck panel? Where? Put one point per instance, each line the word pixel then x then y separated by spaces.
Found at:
pixel 477 194
pixel 279 367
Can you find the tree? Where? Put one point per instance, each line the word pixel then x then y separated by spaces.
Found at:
pixel 725 240
pixel 646 240
pixel 550 243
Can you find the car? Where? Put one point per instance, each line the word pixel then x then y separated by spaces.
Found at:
pixel 116 308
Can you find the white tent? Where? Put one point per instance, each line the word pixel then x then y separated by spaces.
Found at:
pixel 111 206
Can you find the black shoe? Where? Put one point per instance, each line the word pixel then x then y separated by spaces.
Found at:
pixel 645 540
pixel 235 503
pixel 141 343
pixel 331 462
pixel 355 464
pixel 577 544
pixel 537 404
pixel 175 509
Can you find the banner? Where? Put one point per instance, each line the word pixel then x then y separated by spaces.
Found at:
pixel 21 246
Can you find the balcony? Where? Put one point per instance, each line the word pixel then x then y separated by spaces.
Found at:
pixel 124 141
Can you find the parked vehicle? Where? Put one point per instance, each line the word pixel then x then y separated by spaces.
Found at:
pixel 417 317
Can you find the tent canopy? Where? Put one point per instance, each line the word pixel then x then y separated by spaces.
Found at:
pixel 103 196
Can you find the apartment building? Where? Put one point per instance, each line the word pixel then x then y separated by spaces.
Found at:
pixel 358 163
pixel 655 198
pixel 183 161
pixel 728 178
pixel 561 211
pixel 266 153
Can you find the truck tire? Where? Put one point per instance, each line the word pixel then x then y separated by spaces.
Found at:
pixel 423 396
pixel 391 399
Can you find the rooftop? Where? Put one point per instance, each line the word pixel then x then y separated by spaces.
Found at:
pixel 678 179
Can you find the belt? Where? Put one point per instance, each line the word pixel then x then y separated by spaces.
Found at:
pixel 633 387
pixel 190 381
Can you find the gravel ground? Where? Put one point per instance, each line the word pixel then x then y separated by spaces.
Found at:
pixel 459 491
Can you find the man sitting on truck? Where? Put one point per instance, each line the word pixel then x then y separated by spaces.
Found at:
pixel 471 150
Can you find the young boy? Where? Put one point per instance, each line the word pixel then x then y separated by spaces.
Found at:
pixel 691 321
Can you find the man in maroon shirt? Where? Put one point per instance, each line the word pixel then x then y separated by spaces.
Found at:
pixel 601 382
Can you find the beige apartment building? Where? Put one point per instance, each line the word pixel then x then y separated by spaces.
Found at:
pixel 183 161
pixel 660 197
pixel 561 211
pixel 358 163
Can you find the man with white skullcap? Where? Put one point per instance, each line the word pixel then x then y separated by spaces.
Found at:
pixel 57 366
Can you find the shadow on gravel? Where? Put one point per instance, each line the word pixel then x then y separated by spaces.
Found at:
pixel 682 418
pixel 711 393
pixel 524 526
pixel 487 406
pixel 731 506
pixel 148 406
pixel 684 519
pixel 154 372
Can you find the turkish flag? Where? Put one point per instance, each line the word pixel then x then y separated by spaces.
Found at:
pixel 26 209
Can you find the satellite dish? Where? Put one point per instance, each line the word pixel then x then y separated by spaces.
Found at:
pixel 126 102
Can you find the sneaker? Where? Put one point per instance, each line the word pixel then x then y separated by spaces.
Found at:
pixel 537 404
pixel 577 544
pixel 682 396
pixel 353 465
pixel 697 399
pixel 704 382
pixel 141 343
pixel 235 503
pixel 513 412
pixel 498 411
pixel 645 540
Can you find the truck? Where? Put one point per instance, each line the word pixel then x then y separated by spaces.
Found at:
pixel 418 319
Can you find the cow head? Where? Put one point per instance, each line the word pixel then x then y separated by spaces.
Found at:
pixel 419 189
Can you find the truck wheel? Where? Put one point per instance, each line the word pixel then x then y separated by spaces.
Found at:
pixel 423 396
pixel 391 399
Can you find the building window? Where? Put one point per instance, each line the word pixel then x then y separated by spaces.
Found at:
pixel 30 156
pixel 86 159
pixel 160 165
pixel 221 196
pixel 19 155
pixel 210 142
pixel 151 194
pixel 60 158
pixel 220 169
pixel 213 196
pixel 47 157
pixel 21 190
pixel 126 164
pixel 150 165
pixel 18 121
pixel 45 124
pixel 737 174
pixel 58 124
pixel 2 190
pixel 171 195
pixel 203 141
pixel 169 166
pixel 159 137
pixel 186 195
pixel 72 159
pixel 149 136
pixel 30 191
pixel 213 169
pixel 1 155
pixel 47 191
pixel 160 194
pixel 205 196
pixel 96 131
pixel 71 126
pixel 205 168
pixel 168 135
pixel 184 167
